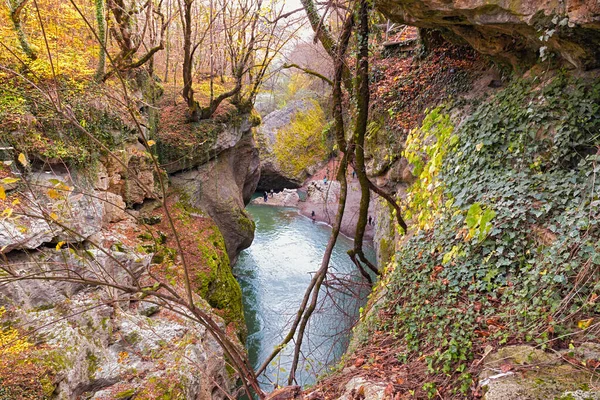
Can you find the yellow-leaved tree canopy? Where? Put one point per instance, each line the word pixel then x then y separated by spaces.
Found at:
pixel 27 25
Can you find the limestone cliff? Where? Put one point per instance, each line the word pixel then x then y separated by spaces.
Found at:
pixel 100 229
pixel 515 31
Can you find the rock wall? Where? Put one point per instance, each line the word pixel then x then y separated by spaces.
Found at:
pixel 98 342
pixel 272 174
pixel 95 223
pixel 515 31
pixel 222 187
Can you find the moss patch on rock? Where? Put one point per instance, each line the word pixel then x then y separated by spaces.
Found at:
pixel 205 255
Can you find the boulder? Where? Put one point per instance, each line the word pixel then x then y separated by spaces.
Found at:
pixel 529 373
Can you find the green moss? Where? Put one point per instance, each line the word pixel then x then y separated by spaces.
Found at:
pixel 93 363
pixel 245 222
pixel 255 118
pixel 217 284
pixel 125 394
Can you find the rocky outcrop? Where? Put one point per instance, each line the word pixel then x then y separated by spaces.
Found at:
pixel 526 372
pixel 222 187
pixel 98 341
pixel 515 31
pixel 272 175
pixel 132 176
pixel 202 142
pixel 285 198
pixel 102 348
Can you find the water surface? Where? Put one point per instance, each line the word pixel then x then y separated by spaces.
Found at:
pixel 274 273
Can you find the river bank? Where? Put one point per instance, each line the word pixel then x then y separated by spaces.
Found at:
pixel 321 198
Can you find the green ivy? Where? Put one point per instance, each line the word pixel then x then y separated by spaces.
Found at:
pixel 506 218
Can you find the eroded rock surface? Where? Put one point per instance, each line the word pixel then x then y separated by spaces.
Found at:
pixel 222 187
pixel 511 30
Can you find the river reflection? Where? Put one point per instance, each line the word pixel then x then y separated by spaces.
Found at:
pixel 274 273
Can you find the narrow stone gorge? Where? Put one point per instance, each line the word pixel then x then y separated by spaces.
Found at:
pixel 459 138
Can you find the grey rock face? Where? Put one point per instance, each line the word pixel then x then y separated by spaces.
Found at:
pixel 513 31
pixel 222 187
pixel 92 264
pixel 73 206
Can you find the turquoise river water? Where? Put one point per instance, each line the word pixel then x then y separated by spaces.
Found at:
pixel 274 273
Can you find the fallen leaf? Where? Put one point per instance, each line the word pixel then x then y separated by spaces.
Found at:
pixel 23 160
pixel 358 362
pixel 8 180
pixel 506 367
pixel 585 323
pixel 53 194
pixel 389 390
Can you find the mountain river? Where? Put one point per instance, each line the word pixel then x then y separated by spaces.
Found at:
pixel 274 273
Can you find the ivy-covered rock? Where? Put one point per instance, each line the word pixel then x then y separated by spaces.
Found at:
pixel 505 229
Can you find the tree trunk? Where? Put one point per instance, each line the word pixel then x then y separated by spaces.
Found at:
pixel 102 38
pixel 16 6
pixel 188 91
pixel 362 94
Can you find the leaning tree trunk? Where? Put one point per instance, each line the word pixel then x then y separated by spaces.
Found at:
pixel 100 19
pixel 362 94
pixel 16 7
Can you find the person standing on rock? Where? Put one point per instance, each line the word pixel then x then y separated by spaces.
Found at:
pixel 312 215
pixel 265 197
pixel 370 220
pixel 272 193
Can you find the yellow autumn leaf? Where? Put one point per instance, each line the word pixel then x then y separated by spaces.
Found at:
pixel 2 193
pixel 8 180
pixel 23 160
pixel 151 143
pixel 53 194
pixel 53 216
pixel 585 323
pixel 16 202
pixel 59 245
pixel 7 212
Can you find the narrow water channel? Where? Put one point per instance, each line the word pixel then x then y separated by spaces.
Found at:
pixel 274 273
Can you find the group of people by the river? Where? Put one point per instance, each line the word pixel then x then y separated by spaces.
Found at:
pixel 267 195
